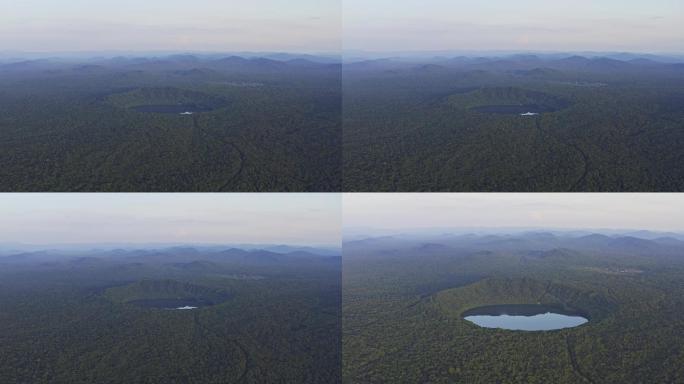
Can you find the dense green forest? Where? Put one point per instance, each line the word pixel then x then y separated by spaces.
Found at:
pixel 108 317
pixel 404 296
pixel 257 124
pixel 455 124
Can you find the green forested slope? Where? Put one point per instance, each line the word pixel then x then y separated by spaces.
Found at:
pixel 403 324
pixel 78 321
pixel 68 129
pixel 414 129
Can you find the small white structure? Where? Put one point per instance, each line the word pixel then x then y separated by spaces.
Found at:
pixel 529 114
pixel 186 113
pixel 186 307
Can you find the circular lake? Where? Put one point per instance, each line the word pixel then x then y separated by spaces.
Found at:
pixel 176 109
pixel 515 109
pixel 190 303
pixel 524 317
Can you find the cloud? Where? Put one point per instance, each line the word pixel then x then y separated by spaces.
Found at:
pixel 635 211
pixel 306 34
pixel 216 218
pixel 503 25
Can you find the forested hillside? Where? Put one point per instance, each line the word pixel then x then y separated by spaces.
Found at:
pixel 111 317
pixel 177 123
pixel 513 124
pixel 404 299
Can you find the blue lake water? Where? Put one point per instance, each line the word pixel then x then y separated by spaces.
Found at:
pixel 514 109
pixel 190 303
pixel 175 109
pixel 524 317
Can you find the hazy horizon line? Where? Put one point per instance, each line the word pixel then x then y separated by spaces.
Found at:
pixel 475 230
pixel 342 53
pixel 127 245
pixel 499 53
pixel 502 50
pixel 168 52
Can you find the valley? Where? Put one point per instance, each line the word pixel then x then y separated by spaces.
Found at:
pixel 183 314
pixel 408 302
pixel 172 123
pixel 519 123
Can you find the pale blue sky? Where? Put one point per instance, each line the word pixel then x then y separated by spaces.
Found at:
pixel 577 25
pixel 292 218
pixel 198 25
pixel 316 25
pixel 651 211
